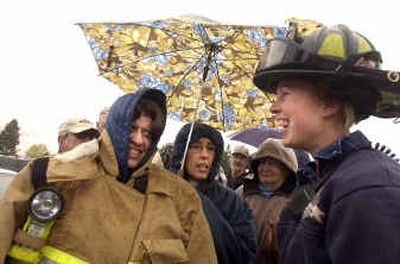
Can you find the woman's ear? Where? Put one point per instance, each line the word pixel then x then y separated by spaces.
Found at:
pixel 331 107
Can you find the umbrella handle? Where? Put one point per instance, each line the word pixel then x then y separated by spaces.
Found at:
pixel 191 130
pixel 187 146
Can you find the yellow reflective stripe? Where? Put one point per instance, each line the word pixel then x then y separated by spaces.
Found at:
pixel 27 222
pixel 44 228
pixel 25 254
pixel 46 232
pixel 363 45
pixel 22 253
pixel 333 46
pixel 60 257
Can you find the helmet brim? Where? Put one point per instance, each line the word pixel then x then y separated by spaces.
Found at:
pixel 268 80
pixel 358 78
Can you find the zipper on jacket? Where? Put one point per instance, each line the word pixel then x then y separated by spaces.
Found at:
pixel 138 227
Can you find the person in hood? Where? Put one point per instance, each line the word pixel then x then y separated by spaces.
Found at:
pixel 230 218
pixel 274 168
pixel 118 207
pixel 326 80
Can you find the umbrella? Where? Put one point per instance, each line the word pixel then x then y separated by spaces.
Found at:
pixel 204 68
pixel 255 136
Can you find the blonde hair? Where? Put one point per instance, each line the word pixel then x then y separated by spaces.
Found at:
pixel 348 116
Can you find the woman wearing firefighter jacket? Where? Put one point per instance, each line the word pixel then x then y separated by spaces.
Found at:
pixel 118 208
pixel 324 82
pixel 230 218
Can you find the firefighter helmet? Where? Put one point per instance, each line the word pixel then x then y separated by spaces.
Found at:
pixel 345 60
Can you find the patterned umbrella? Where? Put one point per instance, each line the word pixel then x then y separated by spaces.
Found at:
pixel 204 68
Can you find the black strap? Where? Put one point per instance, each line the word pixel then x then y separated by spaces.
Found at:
pixel 141 183
pixel 39 170
pixel 303 195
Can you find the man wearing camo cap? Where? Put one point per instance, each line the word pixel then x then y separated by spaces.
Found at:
pixel 239 165
pixel 74 131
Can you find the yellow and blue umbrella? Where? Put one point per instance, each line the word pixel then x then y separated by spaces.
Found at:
pixel 205 68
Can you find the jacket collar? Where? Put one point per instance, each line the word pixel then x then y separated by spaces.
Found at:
pixel 84 149
pixel 159 179
pixel 329 156
pixel 342 147
pixel 107 155
pixel 206 186
pixel 63 167
pixel 86 157
pixel 251 187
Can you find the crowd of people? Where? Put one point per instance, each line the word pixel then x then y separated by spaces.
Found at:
pixel 111 196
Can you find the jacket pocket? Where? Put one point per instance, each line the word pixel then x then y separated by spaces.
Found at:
pixel 164 251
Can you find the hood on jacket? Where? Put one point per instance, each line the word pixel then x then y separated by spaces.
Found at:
pixel 274 148
pixel 119 127
pixel 199 131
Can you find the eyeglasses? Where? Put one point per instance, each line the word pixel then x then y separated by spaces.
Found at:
pixel 239 156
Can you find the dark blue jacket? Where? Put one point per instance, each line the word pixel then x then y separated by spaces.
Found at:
pixel 354 212
pixel 231 220
pixel 231 223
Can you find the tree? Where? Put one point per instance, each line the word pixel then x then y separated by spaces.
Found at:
pixel 9 138
pixel 37 151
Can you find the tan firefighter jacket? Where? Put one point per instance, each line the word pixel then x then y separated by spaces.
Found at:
pixel 105 221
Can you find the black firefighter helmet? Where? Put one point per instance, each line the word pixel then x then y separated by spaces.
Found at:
pixel 339 57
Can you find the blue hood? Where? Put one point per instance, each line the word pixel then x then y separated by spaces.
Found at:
pixel 199 130
pixel 119 127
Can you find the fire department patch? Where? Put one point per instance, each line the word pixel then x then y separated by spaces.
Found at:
pixel 313 211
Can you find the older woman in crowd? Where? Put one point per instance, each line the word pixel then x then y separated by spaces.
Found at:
pixel 274 168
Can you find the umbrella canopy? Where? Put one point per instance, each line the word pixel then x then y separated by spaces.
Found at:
pixel 255 136
pixel 204 68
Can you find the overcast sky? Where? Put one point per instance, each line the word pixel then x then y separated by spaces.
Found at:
pixel 48 72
